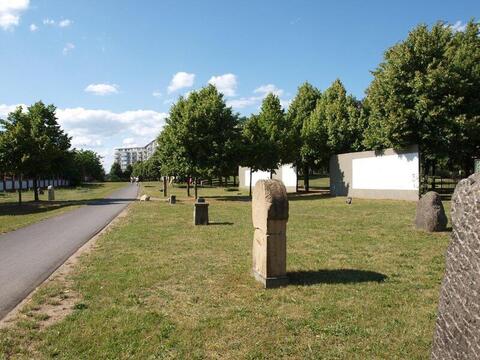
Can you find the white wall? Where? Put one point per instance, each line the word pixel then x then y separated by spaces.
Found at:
pixel 289 175
pixel 256 175
pixel 286 173
pixel 386 172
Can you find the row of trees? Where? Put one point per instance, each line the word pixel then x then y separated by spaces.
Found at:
pixel 33 145
pixel 425 92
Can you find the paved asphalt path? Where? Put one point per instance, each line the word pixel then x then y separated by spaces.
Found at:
pixel 29 255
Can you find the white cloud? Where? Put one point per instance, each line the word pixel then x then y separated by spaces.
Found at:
pixel 128 141
pixel 243 102
pixel 65 23
pixel 458 26
pixel 10 11
pixel 102 89
pixel 7 109
pixel 48 22
pixel 262 91
pixel 67 48
pixel 33 27
pixel 285 103
pixel 226 84
pixel 105 122
pixel 267 89
pixel 156 94
pixel 181 80
pixel 103 130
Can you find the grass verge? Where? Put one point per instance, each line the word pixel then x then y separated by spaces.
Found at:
pixel 364 284
pixel 14 216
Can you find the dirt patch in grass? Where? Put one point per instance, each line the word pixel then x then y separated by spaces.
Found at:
pixel 55 298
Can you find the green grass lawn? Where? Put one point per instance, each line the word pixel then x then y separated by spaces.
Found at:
pixel 316 182
pixel 364 285
pixel 14 216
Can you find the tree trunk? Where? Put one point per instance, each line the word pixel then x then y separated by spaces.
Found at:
pixel 20 191
pixel 13 183
pixel 306 178
pixel 35 188
pixel 188 186
pixel 4 183
pixel 250 187
pixel 234 180
pixel 195 187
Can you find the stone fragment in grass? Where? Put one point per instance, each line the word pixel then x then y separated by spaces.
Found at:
pixel 51 193
pixel 430 215
pixel 145 197
pixel 270 216
pixel 200 212
pixel 457 333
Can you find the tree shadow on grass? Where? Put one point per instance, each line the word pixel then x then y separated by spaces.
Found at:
pixel 336 276
pixel 244 198
pixel 309 196
pixel 220 223
pixel 32 207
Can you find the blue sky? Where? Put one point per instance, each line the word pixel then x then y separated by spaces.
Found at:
pixel 113 67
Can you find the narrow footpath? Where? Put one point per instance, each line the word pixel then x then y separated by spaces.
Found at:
pixel 28 256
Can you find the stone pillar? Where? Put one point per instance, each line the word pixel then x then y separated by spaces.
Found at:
pixel 457 332
pixel 165 186
pixel 270 216
pixel 200 212
pixel 430 215
pixel 173 199
pixel 51 193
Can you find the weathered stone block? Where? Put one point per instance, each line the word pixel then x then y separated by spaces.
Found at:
pixel 430 215
pixel 200 213
pixel 270 216
pixel 457 333
pixel 51 193
pixel 145 197
pixel 173 199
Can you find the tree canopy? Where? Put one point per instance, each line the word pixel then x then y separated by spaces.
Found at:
pixel 426 92
pixel 32 142
pixel 201 136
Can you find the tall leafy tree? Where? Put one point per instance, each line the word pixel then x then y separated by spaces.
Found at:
pixel 257 149
pixel 34 143
pixel 426 92
pixel 199 136
pixel 335 126
pixel 89 164
pixel 272 122
pixel 342 119
pixel 298 114
pixel 116 173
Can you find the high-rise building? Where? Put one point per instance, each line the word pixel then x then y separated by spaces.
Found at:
pixel 130 155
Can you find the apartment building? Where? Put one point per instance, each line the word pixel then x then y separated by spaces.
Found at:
pixel 130 155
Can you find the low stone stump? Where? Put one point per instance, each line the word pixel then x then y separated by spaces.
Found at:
pixel 145 197
pixel 430 215
pixel 457 332
pixel 51 193
pixel 270 216
pixel 200 212
pixel 172 200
